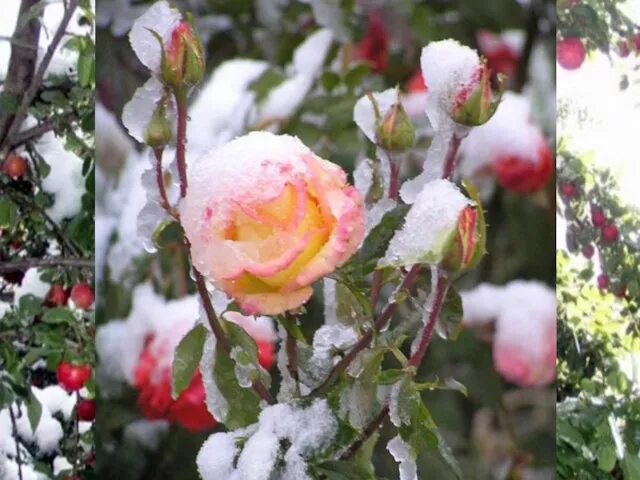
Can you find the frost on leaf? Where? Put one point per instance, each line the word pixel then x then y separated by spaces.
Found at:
pixel 137 113
pixel 328 342
pixel 401 452
pixel 372 178
pixel 279 446
pixel 429 226
pixel 161 19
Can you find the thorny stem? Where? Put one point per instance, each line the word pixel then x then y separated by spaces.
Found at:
pixel 442 286
pixel 219 333
pixel 14 427
pixel 365 340
pixel 181 101
pixel 362 437
pixel 164 200
pixel 450 159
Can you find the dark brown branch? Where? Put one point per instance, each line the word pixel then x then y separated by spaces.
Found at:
pixel 22 64
pixel 34 133
pixel 26 264
pixel 31 93
pixel 363 436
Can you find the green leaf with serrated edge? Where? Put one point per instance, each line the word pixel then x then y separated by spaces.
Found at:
pixel 34 411
pixel 58 315
pixel 351 306
pixel 239 337
pixel 186 359
pixel 446 384
pixel 243 403
pixel 290 324
pixel 375 245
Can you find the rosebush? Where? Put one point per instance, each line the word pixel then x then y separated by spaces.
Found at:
pixel 276 177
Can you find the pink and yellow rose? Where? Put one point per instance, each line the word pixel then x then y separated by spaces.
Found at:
pixel 266 217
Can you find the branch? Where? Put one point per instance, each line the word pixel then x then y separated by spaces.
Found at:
pixel 32 91
pixel 363 436
pixel 33 133
pixel 365 340
pixel 22 64
pixel 14 426
pixel 26 264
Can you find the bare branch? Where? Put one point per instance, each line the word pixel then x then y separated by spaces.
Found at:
pixel 26 264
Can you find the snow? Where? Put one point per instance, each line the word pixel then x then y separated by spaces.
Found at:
pixel 364 112
pixel 364 181
pixel 402 454
pixel 31 285
pixel 138 111
pixel 61 464
pixel 160 18
pixel 309 431
pixel 447 67
pixel 428 225
pixel 482 304
pixel 330 301
pixel 309 56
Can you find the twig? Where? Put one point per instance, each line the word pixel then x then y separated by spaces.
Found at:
pixel 363 436
pixel 292 355
pixel 450 159
pixel 26 264
pixel 32 91
pixel 364 341
pixel 32 133
pixel 442 286
pixel 14 426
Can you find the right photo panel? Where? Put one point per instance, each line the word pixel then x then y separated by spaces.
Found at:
pixel 598 246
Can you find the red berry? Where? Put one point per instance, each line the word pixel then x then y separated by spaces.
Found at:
pixel 568 190
pixel 597 216
pixel 603 281
pixel 570 53
pixel 86 410
pixel 610 233
pixel 82 295
pixel 72 377
pixel 14 166
pixel 588 251
pixel 57 296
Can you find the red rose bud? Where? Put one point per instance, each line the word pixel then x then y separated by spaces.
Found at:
pixel 568 190
pixel 475 103
pixel 588 251
pixel 570 53
pixel 374 46
pixel 394 132
pixel 183 62
pixel 467 247
pixel 610 233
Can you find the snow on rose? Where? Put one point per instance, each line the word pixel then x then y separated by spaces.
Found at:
pixel 266 217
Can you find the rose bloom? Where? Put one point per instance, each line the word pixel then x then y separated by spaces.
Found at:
pixel 374 46
pixel 266 217
pixel 152 376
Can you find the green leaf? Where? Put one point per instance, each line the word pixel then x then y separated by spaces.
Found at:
pixel 186 359
pixel 59 315
pixel 243 403
pixel 8 212
pixel 390 376
pixel 631 467
pixel 34 411
pixel 292 327
pixel 377 242
pixel 86 68
pixel 330 80
pixel 606 457
pixel 354 77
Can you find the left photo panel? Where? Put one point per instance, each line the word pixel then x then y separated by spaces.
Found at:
pixel 47 155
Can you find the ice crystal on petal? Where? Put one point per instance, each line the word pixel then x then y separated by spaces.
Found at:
pixel 162 19
pixel 401 452
pixel 428 225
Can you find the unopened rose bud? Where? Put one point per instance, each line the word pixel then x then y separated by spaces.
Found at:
pixel 183 58
pixel 158 132
pixel 475 104
pixel 395 132
pixel 467 246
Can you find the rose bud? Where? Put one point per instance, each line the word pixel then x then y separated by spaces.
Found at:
pixel 394 132
pixel 158 133
pixel 467 247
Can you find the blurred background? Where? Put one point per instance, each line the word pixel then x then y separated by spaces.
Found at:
pixel 377 46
